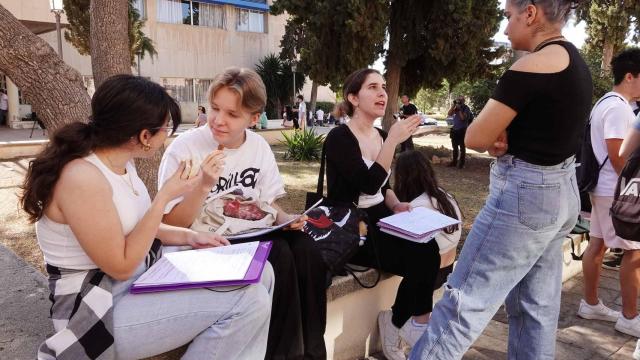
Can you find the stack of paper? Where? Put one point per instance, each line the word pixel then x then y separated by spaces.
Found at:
pixel 238 264
pixel 419 225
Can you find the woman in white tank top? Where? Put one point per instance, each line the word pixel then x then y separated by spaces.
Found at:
pixel 94 217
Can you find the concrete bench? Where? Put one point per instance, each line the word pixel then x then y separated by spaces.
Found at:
pixel 351 311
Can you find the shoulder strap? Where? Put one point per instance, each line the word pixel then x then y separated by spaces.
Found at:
pixel 603 99
pixel 590 116
pixel 323 157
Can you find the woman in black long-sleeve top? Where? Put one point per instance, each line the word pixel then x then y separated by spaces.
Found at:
pixel 359 159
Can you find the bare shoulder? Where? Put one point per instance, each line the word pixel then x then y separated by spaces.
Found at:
pixel 83 176
pixel 551 59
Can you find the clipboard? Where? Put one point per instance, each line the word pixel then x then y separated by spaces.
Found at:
pixel 254 272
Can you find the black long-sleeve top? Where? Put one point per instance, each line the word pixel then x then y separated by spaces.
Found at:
pixel 347 174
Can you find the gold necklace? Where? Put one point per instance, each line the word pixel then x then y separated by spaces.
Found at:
pixel 128 174
pixel 546 41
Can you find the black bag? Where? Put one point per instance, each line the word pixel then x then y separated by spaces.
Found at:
pixel 588 168
pixel 334 226
pixel 625 210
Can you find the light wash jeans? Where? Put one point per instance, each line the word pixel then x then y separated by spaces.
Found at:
pixel 229 323
pixel 513 254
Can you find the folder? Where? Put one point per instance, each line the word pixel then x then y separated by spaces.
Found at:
pixel 419 225
pixel 252 276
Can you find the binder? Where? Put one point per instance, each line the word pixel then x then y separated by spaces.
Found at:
pixel 252 276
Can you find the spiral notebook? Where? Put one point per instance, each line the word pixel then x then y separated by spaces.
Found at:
pixel 237 264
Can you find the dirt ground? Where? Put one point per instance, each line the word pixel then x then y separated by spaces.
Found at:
pixel 468 185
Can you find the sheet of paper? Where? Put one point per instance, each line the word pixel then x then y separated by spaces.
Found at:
pixel 213 264
pixel 418 222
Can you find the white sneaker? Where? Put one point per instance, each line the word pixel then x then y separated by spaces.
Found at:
pixel 597 312
pixel 629 326
pixel 390 337
pixel 411 333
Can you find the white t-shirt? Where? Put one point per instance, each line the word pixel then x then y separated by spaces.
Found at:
pixel 252 166
pixel 445 241
pixel 610 119
pixel 302 110
pixel 320 114
pixel 4 101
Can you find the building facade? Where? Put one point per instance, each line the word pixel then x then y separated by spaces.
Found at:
pixel 194 39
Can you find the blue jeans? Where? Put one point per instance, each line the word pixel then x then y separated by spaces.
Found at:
pixel 513 256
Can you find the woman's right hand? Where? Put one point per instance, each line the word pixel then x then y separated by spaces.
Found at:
pixel 403 129
pixel 179 183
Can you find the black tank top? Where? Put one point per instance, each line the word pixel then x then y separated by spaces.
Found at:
pixel 551 110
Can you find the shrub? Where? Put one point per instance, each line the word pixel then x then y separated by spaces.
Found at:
pixel 303 145
pixel 326 106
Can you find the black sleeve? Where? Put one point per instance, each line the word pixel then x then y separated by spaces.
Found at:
pixel 412 110
pixel 344 154
pixel 515 89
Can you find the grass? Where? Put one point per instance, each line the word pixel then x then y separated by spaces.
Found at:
pixel 469 186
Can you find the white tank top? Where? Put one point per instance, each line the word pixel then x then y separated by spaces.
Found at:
pixel 58 243
pixel 366 201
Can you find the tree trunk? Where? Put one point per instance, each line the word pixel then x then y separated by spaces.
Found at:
pixel 607 55
pixel 148 171
pixel 54 89
pixel 110 56
pixel 110 53
pixel 393 88
pixel 314 97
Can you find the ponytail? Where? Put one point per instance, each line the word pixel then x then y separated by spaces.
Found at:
pixel 70 142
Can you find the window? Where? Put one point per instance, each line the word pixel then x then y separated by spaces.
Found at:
pixel 250 20
pixel 181 89
pixel 141 7
pixel 174 11
pixel 212 16
pixel 201 88
pixel 191 13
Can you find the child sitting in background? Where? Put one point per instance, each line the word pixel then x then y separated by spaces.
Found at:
pixel 415 182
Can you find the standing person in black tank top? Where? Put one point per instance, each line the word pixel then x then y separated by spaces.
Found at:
pixel 533 124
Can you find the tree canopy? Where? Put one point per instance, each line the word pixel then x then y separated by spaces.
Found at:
pixel 278 80
pixel 608 24
pixel 332 37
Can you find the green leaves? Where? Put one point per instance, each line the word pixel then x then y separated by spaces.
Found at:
pixel 303 145
pixel 278 80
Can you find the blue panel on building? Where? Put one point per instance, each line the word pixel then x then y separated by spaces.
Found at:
pixel 245 4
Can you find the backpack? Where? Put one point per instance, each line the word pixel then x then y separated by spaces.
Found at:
pixel 469 115
pixel 625 210
pixel 588 168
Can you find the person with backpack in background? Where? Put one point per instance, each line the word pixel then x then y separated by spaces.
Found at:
pixel 462 117
pixel 610 119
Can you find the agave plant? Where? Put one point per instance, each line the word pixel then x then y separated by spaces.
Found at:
pixel 303 145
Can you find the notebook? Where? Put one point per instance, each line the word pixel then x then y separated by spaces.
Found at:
pixel 237 264
pixel 420 224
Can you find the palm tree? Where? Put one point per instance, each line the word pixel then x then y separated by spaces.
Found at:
pixel 277 76
pixel 139 43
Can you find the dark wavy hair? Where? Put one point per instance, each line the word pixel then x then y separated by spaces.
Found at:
pixel 414 176
pixel 121 108
pixel 352 85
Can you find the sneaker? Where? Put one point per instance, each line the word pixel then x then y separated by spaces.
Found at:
pixel 597 312
pixel 411 333
pixel 390 337
pixel 629 326
pixel 613 261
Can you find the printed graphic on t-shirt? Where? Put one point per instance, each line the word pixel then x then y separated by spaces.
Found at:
pixel 247 178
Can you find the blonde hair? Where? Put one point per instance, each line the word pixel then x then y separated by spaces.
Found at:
pixel 244 82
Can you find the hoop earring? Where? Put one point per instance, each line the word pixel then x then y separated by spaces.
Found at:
pixel 146 147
